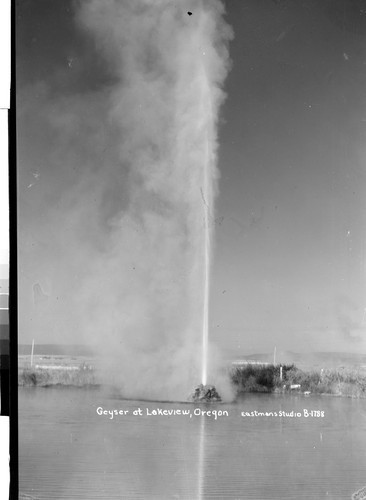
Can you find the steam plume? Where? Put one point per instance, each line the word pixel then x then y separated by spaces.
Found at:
pixel 141 304
pixel 170 68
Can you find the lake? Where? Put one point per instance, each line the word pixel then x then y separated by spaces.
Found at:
pixel 72 448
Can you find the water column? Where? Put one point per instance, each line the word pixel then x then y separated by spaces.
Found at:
pixel 207 198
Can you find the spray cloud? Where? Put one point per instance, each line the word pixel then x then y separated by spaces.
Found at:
pixel 142 305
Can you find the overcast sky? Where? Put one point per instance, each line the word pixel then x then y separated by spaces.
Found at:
pixel 290 219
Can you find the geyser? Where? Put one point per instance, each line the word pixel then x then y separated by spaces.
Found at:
pixel 150 324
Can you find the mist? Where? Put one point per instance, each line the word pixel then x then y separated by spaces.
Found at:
pixel 120 260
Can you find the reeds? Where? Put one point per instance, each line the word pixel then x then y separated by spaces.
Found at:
pixel 266 378
pixel 48 377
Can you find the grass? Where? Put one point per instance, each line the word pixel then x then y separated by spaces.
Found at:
pixel 266 378
pixel 44 377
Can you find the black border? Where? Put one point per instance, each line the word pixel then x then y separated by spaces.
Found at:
pixel 13 270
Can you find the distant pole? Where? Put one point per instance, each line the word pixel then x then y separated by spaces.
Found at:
pixel 32 353
pixel 274 356
pixel 280 372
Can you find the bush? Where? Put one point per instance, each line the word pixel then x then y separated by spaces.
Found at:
pixel 254 378
pixel 28 377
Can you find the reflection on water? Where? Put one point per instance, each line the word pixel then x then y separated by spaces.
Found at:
pixel 68 451
pixel 201 461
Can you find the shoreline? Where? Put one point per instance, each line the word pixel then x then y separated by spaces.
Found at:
pixel 247 379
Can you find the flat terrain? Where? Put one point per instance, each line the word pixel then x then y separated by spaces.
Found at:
pixel 44 360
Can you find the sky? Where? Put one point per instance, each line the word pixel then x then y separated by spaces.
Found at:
pixel 289 265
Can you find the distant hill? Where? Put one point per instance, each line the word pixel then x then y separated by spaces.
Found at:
pixel 56 349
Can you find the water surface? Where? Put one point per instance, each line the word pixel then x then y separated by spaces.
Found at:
pixel 68 451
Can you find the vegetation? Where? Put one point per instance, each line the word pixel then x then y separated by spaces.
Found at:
pixel 266 378
pixel 80 377
pixel 246 378
pixel 257 378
